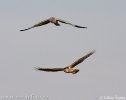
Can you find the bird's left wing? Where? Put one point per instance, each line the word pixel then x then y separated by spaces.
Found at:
pixel 65 22
pixel 49 69
pixel 81 59
pixel 38 24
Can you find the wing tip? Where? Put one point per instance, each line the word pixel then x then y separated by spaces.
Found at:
pixel 80 26
pixel 37 68
pixel 84 27
pixel 24 30
pixel 93 51
pixel 27 28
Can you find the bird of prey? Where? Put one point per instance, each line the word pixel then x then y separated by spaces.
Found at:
pixel 52 20
pixel 68 69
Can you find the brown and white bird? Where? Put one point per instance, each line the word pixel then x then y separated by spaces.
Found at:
pixel 53 20
pixel 68 69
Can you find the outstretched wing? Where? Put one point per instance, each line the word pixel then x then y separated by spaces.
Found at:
pixel 81 59
pixel 62 21
pixel 38 24
pixel 50 69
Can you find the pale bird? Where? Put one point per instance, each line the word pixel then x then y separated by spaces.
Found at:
pixel 53 20
pixel 68 69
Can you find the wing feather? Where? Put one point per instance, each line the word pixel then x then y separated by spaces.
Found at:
pixel 42 23
pixel 38 24
pixel 81 59
pixel 65 22
pixel 50 69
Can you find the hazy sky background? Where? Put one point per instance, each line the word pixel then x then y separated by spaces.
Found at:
pixel 102 74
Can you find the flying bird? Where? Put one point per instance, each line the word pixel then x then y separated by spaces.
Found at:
pixel 53 20
pixel 68 69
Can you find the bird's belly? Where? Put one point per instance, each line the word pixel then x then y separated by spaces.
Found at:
pixel 68 70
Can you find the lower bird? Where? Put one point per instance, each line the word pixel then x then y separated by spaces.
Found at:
pixel 68 69
pixel 53 20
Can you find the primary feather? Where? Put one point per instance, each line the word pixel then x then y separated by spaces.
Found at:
pixel 50 69
pixel 80 60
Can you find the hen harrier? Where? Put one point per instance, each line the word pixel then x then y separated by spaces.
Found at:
pixel 52 20
pixel 70 68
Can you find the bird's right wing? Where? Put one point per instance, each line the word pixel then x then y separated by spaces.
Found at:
pixel 80 60
pixel 65 22
pixel 49 69
pixel 38 24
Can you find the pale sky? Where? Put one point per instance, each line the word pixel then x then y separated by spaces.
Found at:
pixel 102 74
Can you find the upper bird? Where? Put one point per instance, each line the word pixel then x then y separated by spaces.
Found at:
pixel 70 68
pixel 52 20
